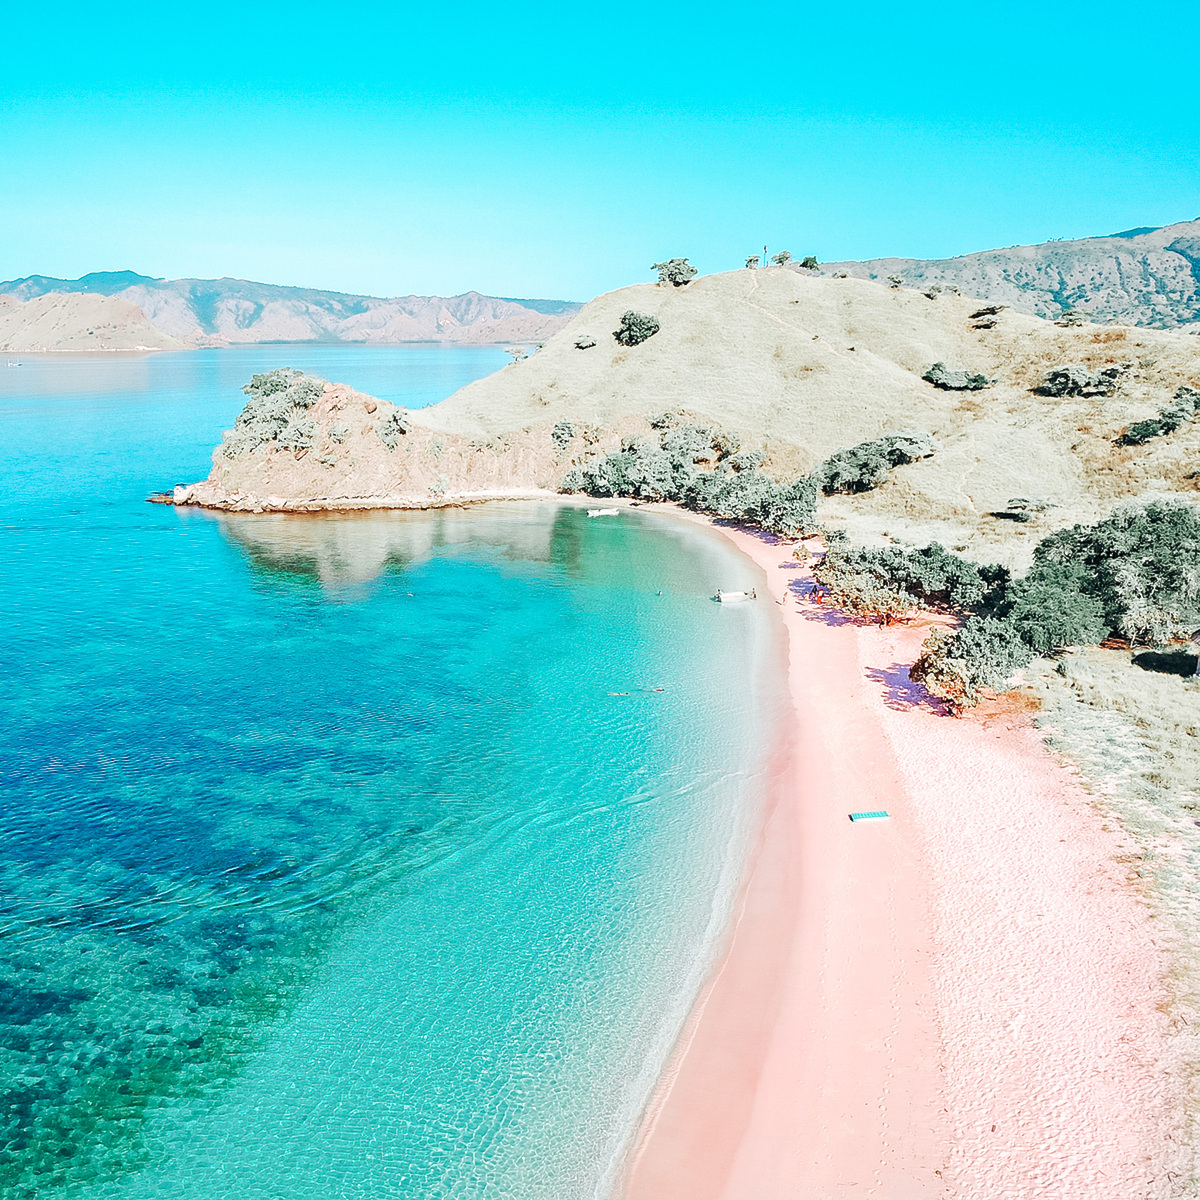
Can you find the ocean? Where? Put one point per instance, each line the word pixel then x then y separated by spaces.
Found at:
pixel 346 855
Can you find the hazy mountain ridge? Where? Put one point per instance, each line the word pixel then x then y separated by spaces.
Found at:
pixel 1136 277
pixel 217 312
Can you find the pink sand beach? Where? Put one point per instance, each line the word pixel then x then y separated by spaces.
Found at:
pixel 965 1000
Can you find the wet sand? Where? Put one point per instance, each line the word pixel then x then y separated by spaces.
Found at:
pixel 964 1000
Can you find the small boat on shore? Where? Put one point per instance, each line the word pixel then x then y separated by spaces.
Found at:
pixel 734 597
pixel 603 512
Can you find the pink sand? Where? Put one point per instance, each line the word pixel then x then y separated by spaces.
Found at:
pixel 962 1001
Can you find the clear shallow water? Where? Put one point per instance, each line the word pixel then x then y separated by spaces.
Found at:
pixel 329 862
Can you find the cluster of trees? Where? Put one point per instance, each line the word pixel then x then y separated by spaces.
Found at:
pixel 1135 574
pixel 809 262
pixel 275 412
pixel 705 469
pixel 700 468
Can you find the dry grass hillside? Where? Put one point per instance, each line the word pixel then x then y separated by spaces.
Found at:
pixel 78 322
pixel 800 366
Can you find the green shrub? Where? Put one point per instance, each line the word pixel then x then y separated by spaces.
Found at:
pixel 782 258
pixel 562 433
pixel 1076 380
pixel 635 328
pixel 810 262
pixel 955 381
pixel 298 434
pixel 1185 407
pixel 393 428
pixel 984 653
pixel 675 271
pixel 866 465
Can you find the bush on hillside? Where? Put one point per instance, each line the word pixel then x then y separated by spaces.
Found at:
pixel 675 271
pixel 810 263
pixel 635 328
pixel 866 465
pixel 1185 406
pixel 1076 380
pixel 561 434
pixel 782 258
pixel 752 262
pixel 393 428
pixel 955 381
pixel 984 653
pixel 277 401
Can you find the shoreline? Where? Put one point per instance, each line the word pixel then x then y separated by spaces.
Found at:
pixel 968 1000
pixel 965 1000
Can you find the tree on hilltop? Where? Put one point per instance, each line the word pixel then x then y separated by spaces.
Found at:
pixel 782 258
pixel 752 261
pixel 675 271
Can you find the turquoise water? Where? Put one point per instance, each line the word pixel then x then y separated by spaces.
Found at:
pixel 359 856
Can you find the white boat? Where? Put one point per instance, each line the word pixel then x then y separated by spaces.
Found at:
pixel 603 512
pixel 734 597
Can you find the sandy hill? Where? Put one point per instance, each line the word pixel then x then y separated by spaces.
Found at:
pixel 219 312
pixel 797 365
pixel 78 322
pixel 1139 277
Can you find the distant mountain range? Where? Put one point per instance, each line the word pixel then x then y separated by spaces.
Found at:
pixel 1138 277
pixel 221 312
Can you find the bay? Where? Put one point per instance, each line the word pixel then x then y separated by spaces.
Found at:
pixel 359 854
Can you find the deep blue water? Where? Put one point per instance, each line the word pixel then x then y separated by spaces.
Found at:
pixel 363 856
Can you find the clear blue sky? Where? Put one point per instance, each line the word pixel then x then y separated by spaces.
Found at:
pixel 557 150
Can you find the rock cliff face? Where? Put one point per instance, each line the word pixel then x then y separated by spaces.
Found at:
pixel 795 367
pixel 220 312
pixel 1139 277
pixel 78 323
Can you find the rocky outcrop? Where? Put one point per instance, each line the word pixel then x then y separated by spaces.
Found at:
pixel 1139 277
pixel 302 444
